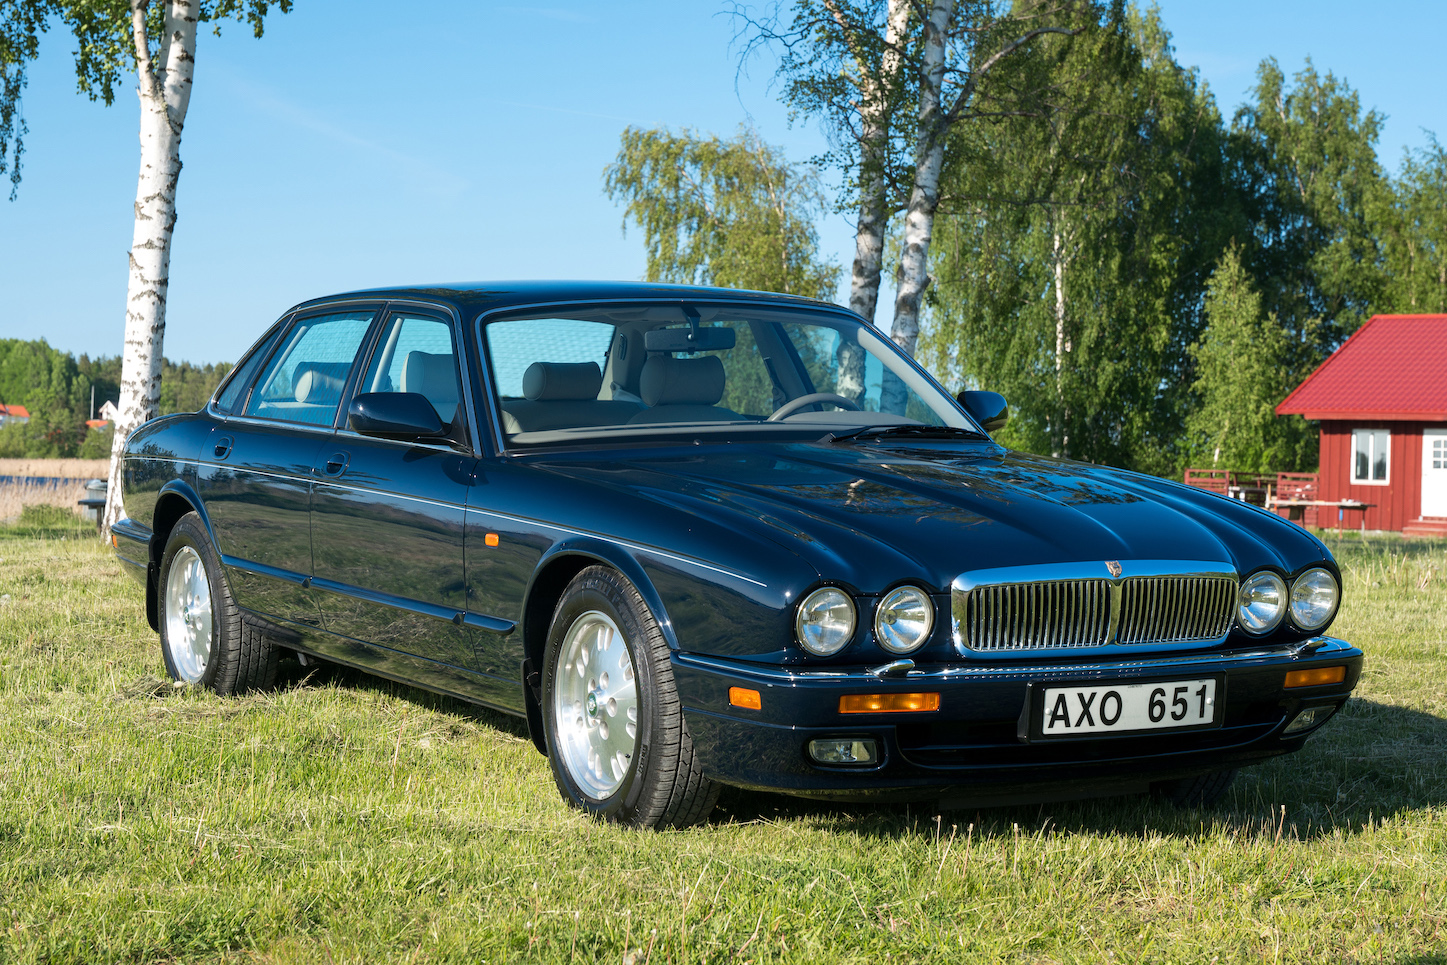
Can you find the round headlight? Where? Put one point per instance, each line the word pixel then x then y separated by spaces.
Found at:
pixel 1261 602
pixel 1314 597
pixel 904 619
pixel 825 621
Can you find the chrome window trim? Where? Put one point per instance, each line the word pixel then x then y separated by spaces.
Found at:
pixel 1031 574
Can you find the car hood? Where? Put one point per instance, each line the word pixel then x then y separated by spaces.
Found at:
pixel 871 515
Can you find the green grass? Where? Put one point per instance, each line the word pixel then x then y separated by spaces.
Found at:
pixel 357 821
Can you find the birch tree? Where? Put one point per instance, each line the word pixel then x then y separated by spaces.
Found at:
pixel 157 42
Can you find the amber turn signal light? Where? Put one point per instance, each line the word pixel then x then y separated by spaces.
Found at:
pixel 1316 677
pixel 490 539
pixel 743 697
pixel 888 703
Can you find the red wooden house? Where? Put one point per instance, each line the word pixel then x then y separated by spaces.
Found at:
pixel 1381 400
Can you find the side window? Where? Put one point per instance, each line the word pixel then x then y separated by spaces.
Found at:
pixel 306 376
pixel 514 346
pixel 241 375
pixel 416 354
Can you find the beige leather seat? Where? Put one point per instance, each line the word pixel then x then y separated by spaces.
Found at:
pixel 683 390
pixel 434 376
pixel 563 395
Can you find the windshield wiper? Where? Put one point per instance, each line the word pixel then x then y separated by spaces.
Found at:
pixel 907 431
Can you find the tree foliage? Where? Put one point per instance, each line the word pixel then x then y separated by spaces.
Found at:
pixel 1243 369
pixel 1304 167
pixel 1412 230
pixel 733 213
pixel 1065 275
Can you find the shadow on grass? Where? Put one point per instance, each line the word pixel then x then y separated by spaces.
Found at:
pixel 291 674
pixel 1372 763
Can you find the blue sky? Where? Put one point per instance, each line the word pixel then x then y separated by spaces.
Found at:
pixel 354 147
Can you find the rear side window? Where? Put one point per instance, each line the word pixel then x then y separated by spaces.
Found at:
pixel 415 354
pixel 304 380
pixel 241 375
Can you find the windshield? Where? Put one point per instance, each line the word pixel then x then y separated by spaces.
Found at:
pixel 622 369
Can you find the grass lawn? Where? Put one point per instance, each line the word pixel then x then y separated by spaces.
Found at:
pixel 358 821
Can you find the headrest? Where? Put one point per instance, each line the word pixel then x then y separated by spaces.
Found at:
pixel 435 376
pixel 556 381
pixel 317 386
pixel 671 381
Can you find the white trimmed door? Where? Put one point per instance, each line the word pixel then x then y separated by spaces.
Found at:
pixel 1434 472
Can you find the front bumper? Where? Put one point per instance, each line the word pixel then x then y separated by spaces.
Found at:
pixel 976 747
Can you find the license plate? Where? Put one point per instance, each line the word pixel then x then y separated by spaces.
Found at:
pixel 1112 708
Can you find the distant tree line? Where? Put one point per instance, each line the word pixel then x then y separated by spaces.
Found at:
pixel 55 388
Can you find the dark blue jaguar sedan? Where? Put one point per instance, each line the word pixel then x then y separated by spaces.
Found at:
pixel 701 537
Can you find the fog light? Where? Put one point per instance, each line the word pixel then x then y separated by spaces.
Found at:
pixel 1316 677
pixel 845 750
pixel 1309 718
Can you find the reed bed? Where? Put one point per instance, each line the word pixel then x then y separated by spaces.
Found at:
pixel 81 469
pixel 14 497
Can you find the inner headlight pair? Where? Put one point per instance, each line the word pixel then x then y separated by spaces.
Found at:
pixel 902 621
pixel 1263 601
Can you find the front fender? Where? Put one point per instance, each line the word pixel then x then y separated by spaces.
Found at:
pixel 608 554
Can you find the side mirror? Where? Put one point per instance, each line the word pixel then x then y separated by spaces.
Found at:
pixel 395 415
pixel 989 409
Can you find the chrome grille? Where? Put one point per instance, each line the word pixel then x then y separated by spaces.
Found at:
pixel 1175 609
pixel 1039 616
pixel 1067 606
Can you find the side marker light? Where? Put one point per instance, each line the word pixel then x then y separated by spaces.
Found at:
pixel 743 697
pixel 490 539
pixel 888 703
pixel 1316 677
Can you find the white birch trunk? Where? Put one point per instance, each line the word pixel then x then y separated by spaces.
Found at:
pixel 164 88
pixel 875 95
pixel 1062 344
pixel 924 199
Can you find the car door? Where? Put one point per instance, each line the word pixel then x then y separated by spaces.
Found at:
pixel 255 476
pixel 387 516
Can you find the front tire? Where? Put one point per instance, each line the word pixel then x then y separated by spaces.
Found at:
pixel 616 738
pixel 204 640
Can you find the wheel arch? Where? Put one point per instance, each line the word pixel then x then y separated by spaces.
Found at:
pixel 556 569
pixel 176 500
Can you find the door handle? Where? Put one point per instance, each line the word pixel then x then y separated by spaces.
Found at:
pixel 337 463
pixel 223 447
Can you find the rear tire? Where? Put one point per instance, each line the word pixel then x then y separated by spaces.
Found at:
pixel 1201 791
pixel 616 737
pixel 204 640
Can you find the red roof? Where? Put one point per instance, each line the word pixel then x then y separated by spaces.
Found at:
pixel 1393 368
pixel 18 411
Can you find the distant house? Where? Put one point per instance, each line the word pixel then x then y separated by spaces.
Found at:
pixel 13 414
pixel 1381 400
pixel 108 411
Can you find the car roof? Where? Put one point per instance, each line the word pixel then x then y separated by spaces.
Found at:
pixel 468 297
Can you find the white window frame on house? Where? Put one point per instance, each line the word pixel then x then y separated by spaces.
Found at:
pixel 1370 437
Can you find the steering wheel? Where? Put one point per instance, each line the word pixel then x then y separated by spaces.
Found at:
pixel 794 405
